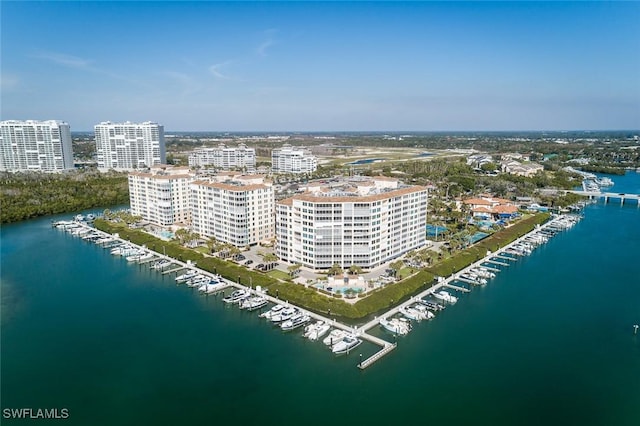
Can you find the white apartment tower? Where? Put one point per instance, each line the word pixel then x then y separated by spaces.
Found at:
pixel 35 146
pixel 293 160
pixel 129 145
pixel 236 210
pixel 161 194
pixel 225 158
pixel 358 221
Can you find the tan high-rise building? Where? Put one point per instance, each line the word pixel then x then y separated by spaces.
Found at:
pixel 357 221
pixel 233 209
pixel 161 195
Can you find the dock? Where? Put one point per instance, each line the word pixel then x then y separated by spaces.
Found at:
pixel 458 288
pixel 512 259
pixel 173 270
pixel 497 262
pixel 151 259
pixel 489 268
pixel 378 355
pixel 465 280
pixel 497 258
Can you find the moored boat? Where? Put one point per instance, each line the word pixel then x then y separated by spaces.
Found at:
pixel 271 312
pixel 237 296
pixel 334 337
pixel 316 330
pixel 348 343
pixel 284 314
pixel 295 321
pixel 186 276
pixel 443 295
pixel 398 326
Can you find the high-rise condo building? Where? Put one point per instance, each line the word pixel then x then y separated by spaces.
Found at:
pixel 225 158
pixel 293 160
pixel 35 146
pixel 357 221
pixel 236 210
pixel 161 195
pixel 129 145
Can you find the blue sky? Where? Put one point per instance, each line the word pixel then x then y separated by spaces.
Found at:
pixel 268 66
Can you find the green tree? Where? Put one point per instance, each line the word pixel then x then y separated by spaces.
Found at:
pixel 336 269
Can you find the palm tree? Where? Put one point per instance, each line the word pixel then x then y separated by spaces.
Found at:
pixel 294 269
pixel 355 270
pixel 396 266
pixel 336 269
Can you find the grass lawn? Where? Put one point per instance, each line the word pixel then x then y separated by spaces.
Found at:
pixel 279 274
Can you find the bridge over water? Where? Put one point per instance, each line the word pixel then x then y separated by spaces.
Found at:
pixel 609 195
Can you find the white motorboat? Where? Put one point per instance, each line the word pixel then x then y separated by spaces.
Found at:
pixel 146 256
pixel 443 295
pixel 412 313
pixel 161 264
pixel 237 296
pixel 295 321
pixel 121 248
pixel 334 337
pixel 348 343
pixel 271 312
pixel 400 326
pixel 253 303
pixel 186 276
pixel 135 256
pixel 197 281
pixel 284 315
pixel 426 313
pixel 211 287
pixel 316 330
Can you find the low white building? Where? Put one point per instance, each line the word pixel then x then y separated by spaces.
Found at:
pixel 233 209
pixel 161 194
pixel 357 221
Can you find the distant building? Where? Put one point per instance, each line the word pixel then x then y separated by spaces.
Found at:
pixel 233 208
pixel 225 158
pixel 477 160
pixel 356 221
pixel 521 169
pixel 486 207
pixel 293 160
pixel 161 194
pixel 128 146
pixel 35 146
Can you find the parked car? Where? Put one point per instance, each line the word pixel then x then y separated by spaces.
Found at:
pixel 248 262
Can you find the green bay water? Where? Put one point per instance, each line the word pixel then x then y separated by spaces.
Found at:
pixel 549 341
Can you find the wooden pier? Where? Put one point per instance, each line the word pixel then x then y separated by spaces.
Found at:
pixel 497 262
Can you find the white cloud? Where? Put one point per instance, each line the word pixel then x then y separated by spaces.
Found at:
pixel 267 43
pixel 215 69
pixel 65 60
